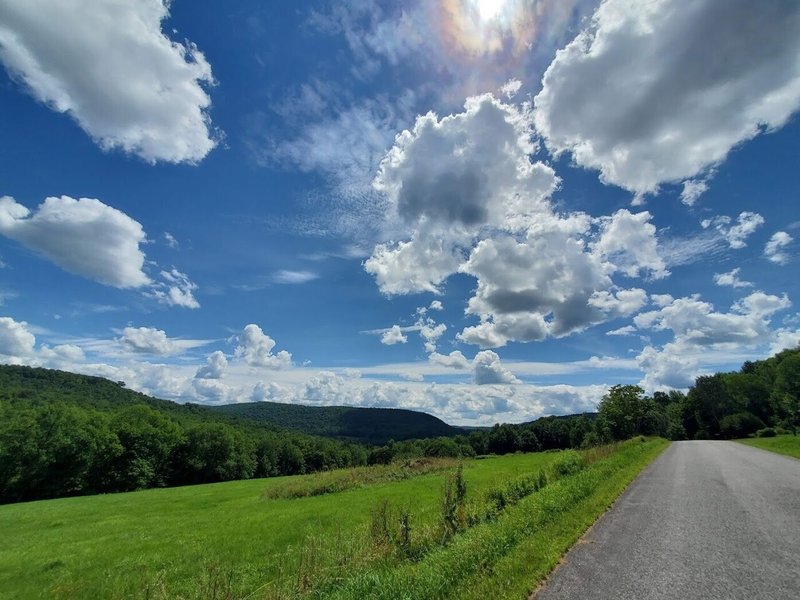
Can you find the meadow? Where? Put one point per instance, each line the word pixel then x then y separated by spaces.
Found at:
pixel 376 535
pixel 788 445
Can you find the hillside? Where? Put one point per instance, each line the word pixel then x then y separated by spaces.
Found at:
pixel 368 425
pixel 34 386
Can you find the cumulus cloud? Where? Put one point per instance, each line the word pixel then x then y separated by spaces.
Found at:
pixel 61 356
pixel 430 331
pixel 454 360
pixel 215 366
pixel 486 369
pixel 628 242
pixel 255 347
pixel 149 340
pixel 698 330
pixel 84 236
pixel 175 289
pixel 111 68
pixel 731 279
pixel 736 235
pixel 436 305
pixel 654 92
pixel 393 335
pixel 464 188
pixel 692 190
pixel 773 250
pixel 15 338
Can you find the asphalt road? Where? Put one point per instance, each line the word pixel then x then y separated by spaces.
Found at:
pixel 706 520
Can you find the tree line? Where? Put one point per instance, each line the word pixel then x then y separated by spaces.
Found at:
pixel 63 434
pixel 762 398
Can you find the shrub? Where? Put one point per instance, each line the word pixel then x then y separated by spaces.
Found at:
pixel 740 425
pixel 766 432
pixel 567 464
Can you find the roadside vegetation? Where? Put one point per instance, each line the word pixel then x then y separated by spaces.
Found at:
pixel 788 445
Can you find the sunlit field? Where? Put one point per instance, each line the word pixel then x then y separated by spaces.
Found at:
pixel 239 539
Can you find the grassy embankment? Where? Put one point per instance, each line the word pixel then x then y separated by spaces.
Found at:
pixel 271 539
pixel 782 444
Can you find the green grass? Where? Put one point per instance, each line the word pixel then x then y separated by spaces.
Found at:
pixel 508 557
pixel 788 445
pixel 185 542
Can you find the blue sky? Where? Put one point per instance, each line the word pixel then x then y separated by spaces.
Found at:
pixel 488 210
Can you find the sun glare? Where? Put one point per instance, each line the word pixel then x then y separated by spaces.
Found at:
pixel 489 9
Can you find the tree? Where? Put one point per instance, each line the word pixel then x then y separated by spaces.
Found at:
pixel 504 439
pixel 785 396
pixel 709 402
pixel 216 452
pixel 622 411
pixel 148 439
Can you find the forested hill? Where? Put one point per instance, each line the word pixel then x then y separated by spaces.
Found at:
pixel 369 425
pixel 33 386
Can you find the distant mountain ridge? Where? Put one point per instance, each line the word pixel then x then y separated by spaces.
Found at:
pixel 38 386
pixel 368 425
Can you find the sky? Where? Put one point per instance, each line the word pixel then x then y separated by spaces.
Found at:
pixel 488 210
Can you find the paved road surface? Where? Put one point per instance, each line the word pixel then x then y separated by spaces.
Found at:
pixel 706 520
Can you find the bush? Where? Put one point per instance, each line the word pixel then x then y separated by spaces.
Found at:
pixel 740 425
pixel 766 432
pixel 567 464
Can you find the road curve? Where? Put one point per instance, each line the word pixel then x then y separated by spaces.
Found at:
pixel 706 520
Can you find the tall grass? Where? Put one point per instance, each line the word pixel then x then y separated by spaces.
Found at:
pixel 332 482
pixel 470 558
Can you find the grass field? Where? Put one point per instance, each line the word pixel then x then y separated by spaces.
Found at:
pixel 231 540
pixel 782 444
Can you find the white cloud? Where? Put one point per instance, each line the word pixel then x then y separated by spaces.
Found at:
pixel 626 330
pixel 85 237
pixel 510 88
pixel 700 333
pixel 255 347
pixel 215 366
pixel 412 376
pixel 419 265
pixel 628 241
pixel 785 339
pixel 149 340
pixel 62 356
pixel 170 239
pixel 773 249
pixel 464 189
pixel 16 340
pixel 176 289
pixel 436 305
pixel 486 369
pixel 294 277
pixel 454 360
pixel 746 224
pixel 213 391
pixel 731 278
pixel 661 91
pixel 620 303
pixel 393 335
pixel 430 331
pixel 692 190
pixel 111 68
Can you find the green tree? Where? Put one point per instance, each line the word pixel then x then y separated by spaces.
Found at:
pixel 785 396
pixel 622 411
pixel 149 438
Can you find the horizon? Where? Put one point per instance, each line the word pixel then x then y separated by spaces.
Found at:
pixel 487 211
